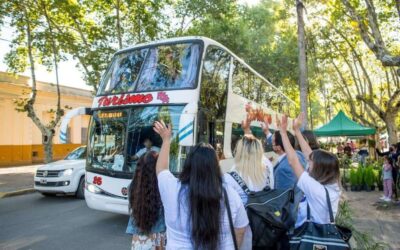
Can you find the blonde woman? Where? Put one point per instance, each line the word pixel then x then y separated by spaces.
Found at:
pixel 253 168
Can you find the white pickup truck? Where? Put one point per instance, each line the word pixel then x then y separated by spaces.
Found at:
pixel 66 176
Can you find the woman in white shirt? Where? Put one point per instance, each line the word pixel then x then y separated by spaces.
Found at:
pixel 254 169
pixel 194 210
pixel 323 172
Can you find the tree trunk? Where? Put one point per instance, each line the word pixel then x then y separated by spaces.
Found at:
pixel 302 61
pixel 119 33
pixel 390 121
pixel 48 148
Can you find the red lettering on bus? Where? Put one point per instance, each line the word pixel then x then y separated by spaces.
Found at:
pixel 124 100
pixel 147 98
pixel 163 97
pixel 97 180
pixel 114 100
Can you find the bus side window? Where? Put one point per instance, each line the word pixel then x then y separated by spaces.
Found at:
pixel 213 96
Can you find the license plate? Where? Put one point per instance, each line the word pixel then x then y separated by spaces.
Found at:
pixel 43 181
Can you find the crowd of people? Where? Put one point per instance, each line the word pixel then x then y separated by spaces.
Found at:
pixel 203 208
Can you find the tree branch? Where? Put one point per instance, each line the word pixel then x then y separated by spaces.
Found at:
pixel 376 46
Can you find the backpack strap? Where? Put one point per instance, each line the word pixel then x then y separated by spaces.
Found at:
pixel 240 181
pixel 328 200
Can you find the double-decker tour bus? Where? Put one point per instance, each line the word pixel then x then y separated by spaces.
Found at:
pixel 193 83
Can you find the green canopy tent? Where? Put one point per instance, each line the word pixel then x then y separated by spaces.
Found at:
pixel 341 125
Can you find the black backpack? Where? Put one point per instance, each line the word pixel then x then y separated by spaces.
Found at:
pixel 269 213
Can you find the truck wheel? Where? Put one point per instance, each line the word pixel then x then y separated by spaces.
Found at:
pixel 80 192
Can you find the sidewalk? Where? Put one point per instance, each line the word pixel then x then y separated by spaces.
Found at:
pixel 380 222
pixel 17 180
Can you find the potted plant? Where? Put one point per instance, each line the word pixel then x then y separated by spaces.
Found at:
pixel 360 178
pixel 369 179
pixel 353 180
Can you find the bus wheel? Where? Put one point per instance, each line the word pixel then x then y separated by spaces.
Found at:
pixel 80 192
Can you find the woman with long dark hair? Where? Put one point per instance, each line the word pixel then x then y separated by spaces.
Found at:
pixel 196 217
pixel 146 222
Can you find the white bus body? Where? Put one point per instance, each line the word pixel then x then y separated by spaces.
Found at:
pixel 194 83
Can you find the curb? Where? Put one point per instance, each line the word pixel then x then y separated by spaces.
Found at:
pixel 16 193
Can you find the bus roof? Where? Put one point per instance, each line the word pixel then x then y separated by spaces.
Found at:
pixel 207 41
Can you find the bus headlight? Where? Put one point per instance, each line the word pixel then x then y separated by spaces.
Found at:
pixel 93 189
pixel 66 172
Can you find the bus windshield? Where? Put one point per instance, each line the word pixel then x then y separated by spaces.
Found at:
pixel 163 67
pixel 120 137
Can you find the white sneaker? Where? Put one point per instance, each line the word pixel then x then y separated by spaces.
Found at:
pixel 383 197
pixel 387 199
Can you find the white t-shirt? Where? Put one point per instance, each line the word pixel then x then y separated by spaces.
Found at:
pixel 315 195
pixel 177 215
pixel 144 150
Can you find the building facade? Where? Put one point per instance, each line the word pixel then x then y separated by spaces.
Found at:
pixel 20 139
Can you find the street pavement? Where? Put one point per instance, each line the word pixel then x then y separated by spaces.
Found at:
pixel 14 179
pixel 32 221
pixel 382 223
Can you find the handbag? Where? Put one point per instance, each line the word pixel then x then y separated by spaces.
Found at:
pixel 228 208
pixel 314 236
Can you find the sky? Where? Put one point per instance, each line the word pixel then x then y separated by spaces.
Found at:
pixel 69 74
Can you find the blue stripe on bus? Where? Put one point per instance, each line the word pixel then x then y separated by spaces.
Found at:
pixel 185 135
pixel 186 127
pixel 63 133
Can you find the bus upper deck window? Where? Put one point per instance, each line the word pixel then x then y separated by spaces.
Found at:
pixel 170 67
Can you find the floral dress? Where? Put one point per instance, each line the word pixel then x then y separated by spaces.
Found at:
pixel 156 238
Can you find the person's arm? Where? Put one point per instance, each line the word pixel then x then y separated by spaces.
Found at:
pixel 163 158
pixel 290 152
pixel 381 153
pixel 239 233
pixel 305 147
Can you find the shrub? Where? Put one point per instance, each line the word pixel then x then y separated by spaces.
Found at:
pixel 360 176
pixel 353 177
pixel 369 177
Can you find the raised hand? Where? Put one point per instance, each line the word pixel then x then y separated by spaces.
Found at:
pixel 297 123
pixel 265 125
pixel 163 130
pixel 277 121
pixel 246 124
pixel 284 123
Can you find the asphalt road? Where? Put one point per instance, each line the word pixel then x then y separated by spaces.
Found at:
pixel 33 221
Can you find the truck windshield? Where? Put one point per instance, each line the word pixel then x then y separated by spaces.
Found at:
pixel 118 138
pixel 163 67
pixel 77 154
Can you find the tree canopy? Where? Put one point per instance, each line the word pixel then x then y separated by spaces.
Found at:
pixel 352 46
